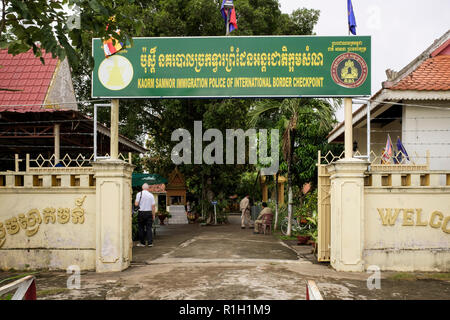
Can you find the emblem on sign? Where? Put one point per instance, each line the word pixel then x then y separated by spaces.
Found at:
pixel 349 70
pixel 115 73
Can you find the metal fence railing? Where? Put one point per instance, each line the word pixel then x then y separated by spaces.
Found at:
pixel 25 288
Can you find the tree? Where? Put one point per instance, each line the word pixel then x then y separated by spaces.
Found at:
pixel 293 114
pixel 156 119
pixel 50 26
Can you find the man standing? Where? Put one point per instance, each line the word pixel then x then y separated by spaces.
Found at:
pixel 266 214
pixel 244 206
pixel 147 210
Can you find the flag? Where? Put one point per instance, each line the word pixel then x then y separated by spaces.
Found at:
pixel 401 149
pixel 111 48
pixel 351 17
pixel 387 154
pixel 233 21
pixel 108 45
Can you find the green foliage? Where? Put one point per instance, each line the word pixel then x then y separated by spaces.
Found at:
pixel 154 120
pixel 313 231
pixel 135 228
pixel 7 296
pixel 308 205
pixel 24 24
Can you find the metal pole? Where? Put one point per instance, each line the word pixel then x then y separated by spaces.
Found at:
pixel 56 134
pixel 95 127
pixel 348 128
pixel 95 132
pixel 114 141
pixel 368 130
pixel 228 22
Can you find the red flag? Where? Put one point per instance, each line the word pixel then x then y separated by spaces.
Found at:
pixel 233 21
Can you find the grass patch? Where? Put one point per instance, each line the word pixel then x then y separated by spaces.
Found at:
pixel 279 235
pixel 445 276
pixel 11 279
pixel 7 296
pixel 50 292
pixel 403 276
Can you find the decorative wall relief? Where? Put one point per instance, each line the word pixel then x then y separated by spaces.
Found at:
pixel 49 215
pixel 2 234
pixel 78 212
pixel 31 221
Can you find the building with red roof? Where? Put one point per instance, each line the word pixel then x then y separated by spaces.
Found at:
pixel 27 85
pixel 413 105
pixel 38 112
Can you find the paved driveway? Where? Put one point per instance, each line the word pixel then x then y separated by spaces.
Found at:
pixel 226 262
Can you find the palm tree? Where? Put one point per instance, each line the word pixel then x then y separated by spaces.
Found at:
pixel 291 110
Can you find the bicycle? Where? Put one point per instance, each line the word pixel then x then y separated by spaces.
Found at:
pixel 295 226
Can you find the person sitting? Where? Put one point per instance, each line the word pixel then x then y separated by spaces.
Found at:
pixel 266 213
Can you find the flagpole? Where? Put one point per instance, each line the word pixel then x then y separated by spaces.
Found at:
pixel 348 120
pixel 228 22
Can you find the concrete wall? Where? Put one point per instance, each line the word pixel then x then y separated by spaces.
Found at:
pixel 50 227
pixel 397 220
pixel 428 129
pixel 52 218
pixel 378 136
pixel 407 228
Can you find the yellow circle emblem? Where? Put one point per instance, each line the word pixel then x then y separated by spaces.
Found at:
pixel 115 73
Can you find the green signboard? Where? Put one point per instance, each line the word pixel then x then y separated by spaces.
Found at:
pixel 223 67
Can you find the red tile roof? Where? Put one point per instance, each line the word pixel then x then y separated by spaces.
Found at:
pixel 26 73
pixel 432 75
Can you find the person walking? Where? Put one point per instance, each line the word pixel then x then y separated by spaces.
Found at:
pixel 244 206
pixel 146 215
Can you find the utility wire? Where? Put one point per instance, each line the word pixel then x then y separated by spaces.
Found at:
pixel 62 147
pixel 404 104
pixel 52 104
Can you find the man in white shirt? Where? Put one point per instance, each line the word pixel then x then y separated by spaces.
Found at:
pixel 147 210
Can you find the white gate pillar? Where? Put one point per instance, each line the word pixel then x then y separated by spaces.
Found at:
pixel 113 215
pixel 347 214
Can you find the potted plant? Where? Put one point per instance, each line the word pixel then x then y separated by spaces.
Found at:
pixel 303 238
pixel 191 217
pixel 162 215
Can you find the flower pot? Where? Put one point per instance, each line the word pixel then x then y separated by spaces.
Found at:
pixel 161 219
pixel 303 239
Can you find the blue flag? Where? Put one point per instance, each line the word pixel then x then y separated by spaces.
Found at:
pixel 401 149
pixel 233 22
pixel 351 17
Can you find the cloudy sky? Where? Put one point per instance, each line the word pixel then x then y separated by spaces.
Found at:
pixel 400 29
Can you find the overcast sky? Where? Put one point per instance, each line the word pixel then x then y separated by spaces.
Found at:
pixel 400 29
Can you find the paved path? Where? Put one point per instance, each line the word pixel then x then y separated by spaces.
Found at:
pixel 226 262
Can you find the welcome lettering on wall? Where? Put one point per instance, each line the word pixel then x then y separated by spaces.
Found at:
pixel 414 217
pixel 33 219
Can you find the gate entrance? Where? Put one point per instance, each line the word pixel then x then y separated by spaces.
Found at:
pixel 241 67
pixel 324 205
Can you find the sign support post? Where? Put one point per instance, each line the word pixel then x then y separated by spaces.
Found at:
pixel 114 141
pixel 348 128
pixel 368 130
